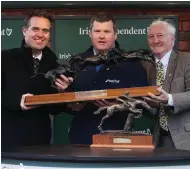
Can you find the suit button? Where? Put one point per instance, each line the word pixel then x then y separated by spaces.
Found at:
pixel 94 81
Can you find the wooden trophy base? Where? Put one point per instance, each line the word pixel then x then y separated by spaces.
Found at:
pixel 119 140
pixel 88 95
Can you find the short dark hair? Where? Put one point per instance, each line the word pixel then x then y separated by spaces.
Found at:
pixel 103 17
pixel 37 13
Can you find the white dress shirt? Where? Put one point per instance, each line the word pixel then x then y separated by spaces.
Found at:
pixel 165 61
pixel 39 56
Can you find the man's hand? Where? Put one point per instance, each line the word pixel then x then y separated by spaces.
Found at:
pixel 103 103
pixel 162 98
pixel 63 82
pixel 22 105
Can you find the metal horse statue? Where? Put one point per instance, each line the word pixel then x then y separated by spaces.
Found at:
pixel 126 104
pixel 77 62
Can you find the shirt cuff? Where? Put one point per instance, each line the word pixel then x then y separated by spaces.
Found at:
pixel 170 100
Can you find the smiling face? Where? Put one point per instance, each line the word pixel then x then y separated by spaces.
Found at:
pixel 103 36
pixel 37 33
pixel 160 39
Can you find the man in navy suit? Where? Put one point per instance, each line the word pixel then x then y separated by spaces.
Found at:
pixel 130 73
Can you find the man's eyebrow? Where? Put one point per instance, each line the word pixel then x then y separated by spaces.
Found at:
pixel 45 29
pixel 35 27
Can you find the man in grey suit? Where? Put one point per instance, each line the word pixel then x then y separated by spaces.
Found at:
pixel 175 90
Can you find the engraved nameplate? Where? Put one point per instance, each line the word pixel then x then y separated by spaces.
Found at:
pixel 121 140
pixel 93 93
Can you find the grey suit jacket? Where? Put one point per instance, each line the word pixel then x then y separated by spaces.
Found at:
pixel 177 83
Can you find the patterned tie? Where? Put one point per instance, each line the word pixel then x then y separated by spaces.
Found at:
pixel 36 65
pixel 160 82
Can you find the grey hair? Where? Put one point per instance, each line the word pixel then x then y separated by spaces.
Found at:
pixel 171 28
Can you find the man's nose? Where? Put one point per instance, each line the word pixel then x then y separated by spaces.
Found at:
pixel 102 35
pixel 40 33
pixel 155 39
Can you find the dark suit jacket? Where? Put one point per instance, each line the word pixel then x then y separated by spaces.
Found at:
pixel 126 74
pixel 177 82
pixel 24 127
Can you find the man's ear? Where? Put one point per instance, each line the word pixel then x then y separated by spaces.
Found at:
pixel 115 35
pixel 24 29
pixel 173 38
pixel 90 34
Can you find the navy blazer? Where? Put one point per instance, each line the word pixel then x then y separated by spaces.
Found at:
pixel 126 74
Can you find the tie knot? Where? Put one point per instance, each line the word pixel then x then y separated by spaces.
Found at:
pixel 159 64
pixel 36 60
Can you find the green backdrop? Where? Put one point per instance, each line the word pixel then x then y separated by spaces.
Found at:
pixel 70 36
pixel 11 32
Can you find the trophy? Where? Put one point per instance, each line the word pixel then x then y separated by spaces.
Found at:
pixel 125 97
pixel 124 138
pixel 126 102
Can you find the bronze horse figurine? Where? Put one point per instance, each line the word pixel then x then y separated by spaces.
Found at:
pixel 125 104
pixel 77 63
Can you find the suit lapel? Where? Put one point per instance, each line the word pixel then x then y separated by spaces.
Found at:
pixel 89 53
pixel 170 71
pixel 27 60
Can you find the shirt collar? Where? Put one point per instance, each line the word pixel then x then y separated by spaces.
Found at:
pixel 39 56
pixel 165 59
pixel 95 51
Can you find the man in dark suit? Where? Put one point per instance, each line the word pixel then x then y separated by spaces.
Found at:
pixel 28 125
pixel 173 75
pixel 130 73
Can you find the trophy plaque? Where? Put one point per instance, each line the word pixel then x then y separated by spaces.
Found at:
pixel 88 95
